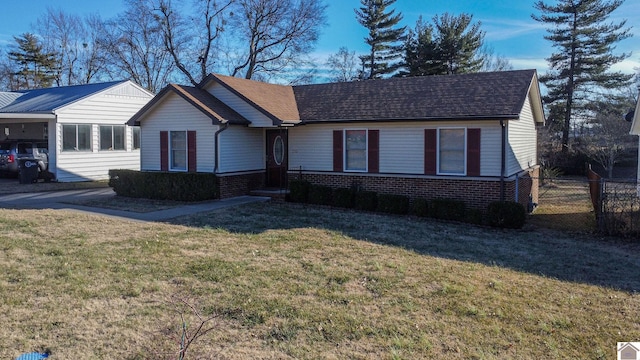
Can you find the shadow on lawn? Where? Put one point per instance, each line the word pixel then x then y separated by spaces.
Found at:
pixel 568 257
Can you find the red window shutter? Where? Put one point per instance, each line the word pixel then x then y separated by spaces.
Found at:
pixel 164 150
pixel 337 150
pixel 191 151
pixel 430 151
pixel 473 152
pixel 373 151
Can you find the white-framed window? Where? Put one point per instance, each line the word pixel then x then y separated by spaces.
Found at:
pixel 178 150
pixel 135 132
pixel 112 137
pixel 355 150
pixel 76 137
pixel 452 150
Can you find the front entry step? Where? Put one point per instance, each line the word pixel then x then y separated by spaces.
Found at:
pixel 274 194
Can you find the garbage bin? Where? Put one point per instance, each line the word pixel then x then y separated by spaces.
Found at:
pixel 28 170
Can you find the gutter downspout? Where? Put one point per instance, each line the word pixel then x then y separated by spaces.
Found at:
pixel 215 145
pixel 503 162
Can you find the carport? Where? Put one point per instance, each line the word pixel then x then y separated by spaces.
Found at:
pixel 84 125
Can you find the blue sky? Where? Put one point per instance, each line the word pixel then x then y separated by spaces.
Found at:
pixel 510 30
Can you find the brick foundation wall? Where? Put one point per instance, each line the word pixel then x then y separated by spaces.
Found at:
pixel 474 192
pixel 241 184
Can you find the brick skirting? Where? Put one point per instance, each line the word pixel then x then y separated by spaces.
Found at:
pixel 241 184
pixel 475 192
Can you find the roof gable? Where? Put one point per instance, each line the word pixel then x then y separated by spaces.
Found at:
pixel 495 95
pixel 215 109
pixel 49 100
pixel 277 102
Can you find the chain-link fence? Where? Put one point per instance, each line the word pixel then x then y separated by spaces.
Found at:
pixel 620 204
pixel 593 204
pixel 564 204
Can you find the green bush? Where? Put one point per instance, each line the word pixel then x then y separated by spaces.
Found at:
pixel 320 195
pixel 474 216
pixel 164 185
pixel 447 209
pixel 343 198
pixel 420 207
pixel 298 191
pixel 393 204
pixel 506 214
pixel 366 200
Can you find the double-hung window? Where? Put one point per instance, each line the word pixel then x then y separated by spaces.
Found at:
pixel 76 137
pixel 178 150
pixel 452 151
pixel 112 137
pixel 355 154
pixel 136 137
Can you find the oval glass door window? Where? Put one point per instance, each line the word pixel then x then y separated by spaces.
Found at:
pixel 278 150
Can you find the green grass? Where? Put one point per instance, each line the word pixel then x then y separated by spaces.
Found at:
pixel 295 281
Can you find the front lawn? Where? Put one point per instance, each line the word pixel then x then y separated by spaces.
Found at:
pixel 293 281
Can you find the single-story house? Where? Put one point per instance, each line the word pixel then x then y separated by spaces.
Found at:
pixel 470 137
pixel 84 125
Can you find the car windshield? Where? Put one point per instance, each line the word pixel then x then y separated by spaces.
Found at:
pixel 5 148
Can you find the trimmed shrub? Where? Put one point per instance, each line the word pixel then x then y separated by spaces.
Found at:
pixel 298 191
pixel 366 200
pixel 447 209
pixel 320 195
pixel 506 214
pixel 343 197
pixel 420 207
pixel 393 204
pixel 164 185
pixel 475 216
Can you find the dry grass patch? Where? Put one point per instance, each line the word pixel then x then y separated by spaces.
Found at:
pixel 12 187
pixel 131 204
pixel 290 281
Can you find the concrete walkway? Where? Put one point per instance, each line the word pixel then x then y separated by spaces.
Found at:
pixel 66 199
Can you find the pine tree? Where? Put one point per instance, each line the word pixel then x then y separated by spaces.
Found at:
pixel 584 40
pixel 385 39
pixel 451 45
pixel 459 43
pixel 35 68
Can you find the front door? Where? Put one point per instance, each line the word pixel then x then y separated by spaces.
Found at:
pixel 277 158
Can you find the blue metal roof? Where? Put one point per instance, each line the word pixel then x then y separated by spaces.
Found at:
pixel 49 99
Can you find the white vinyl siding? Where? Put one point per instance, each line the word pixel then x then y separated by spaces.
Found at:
pixel 257 118
pixel 241 149
pixel 112 107
pixel 401 146
pixel 175 114
pixel 522 141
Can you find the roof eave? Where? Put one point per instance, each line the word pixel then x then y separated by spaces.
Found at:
pixel 426 119
pixel 29 115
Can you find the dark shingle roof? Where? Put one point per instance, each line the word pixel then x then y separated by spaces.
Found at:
pixel 49 99
pixel 449 97
pixel 202 100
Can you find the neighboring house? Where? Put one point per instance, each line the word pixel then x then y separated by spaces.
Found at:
pixel 84 126
pixel 470 137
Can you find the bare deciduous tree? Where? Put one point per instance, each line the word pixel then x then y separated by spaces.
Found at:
pixel 608 138
pixel 191 39
pixel 135 47
pixel 274 35
pixel 343 65
pixel 75 41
